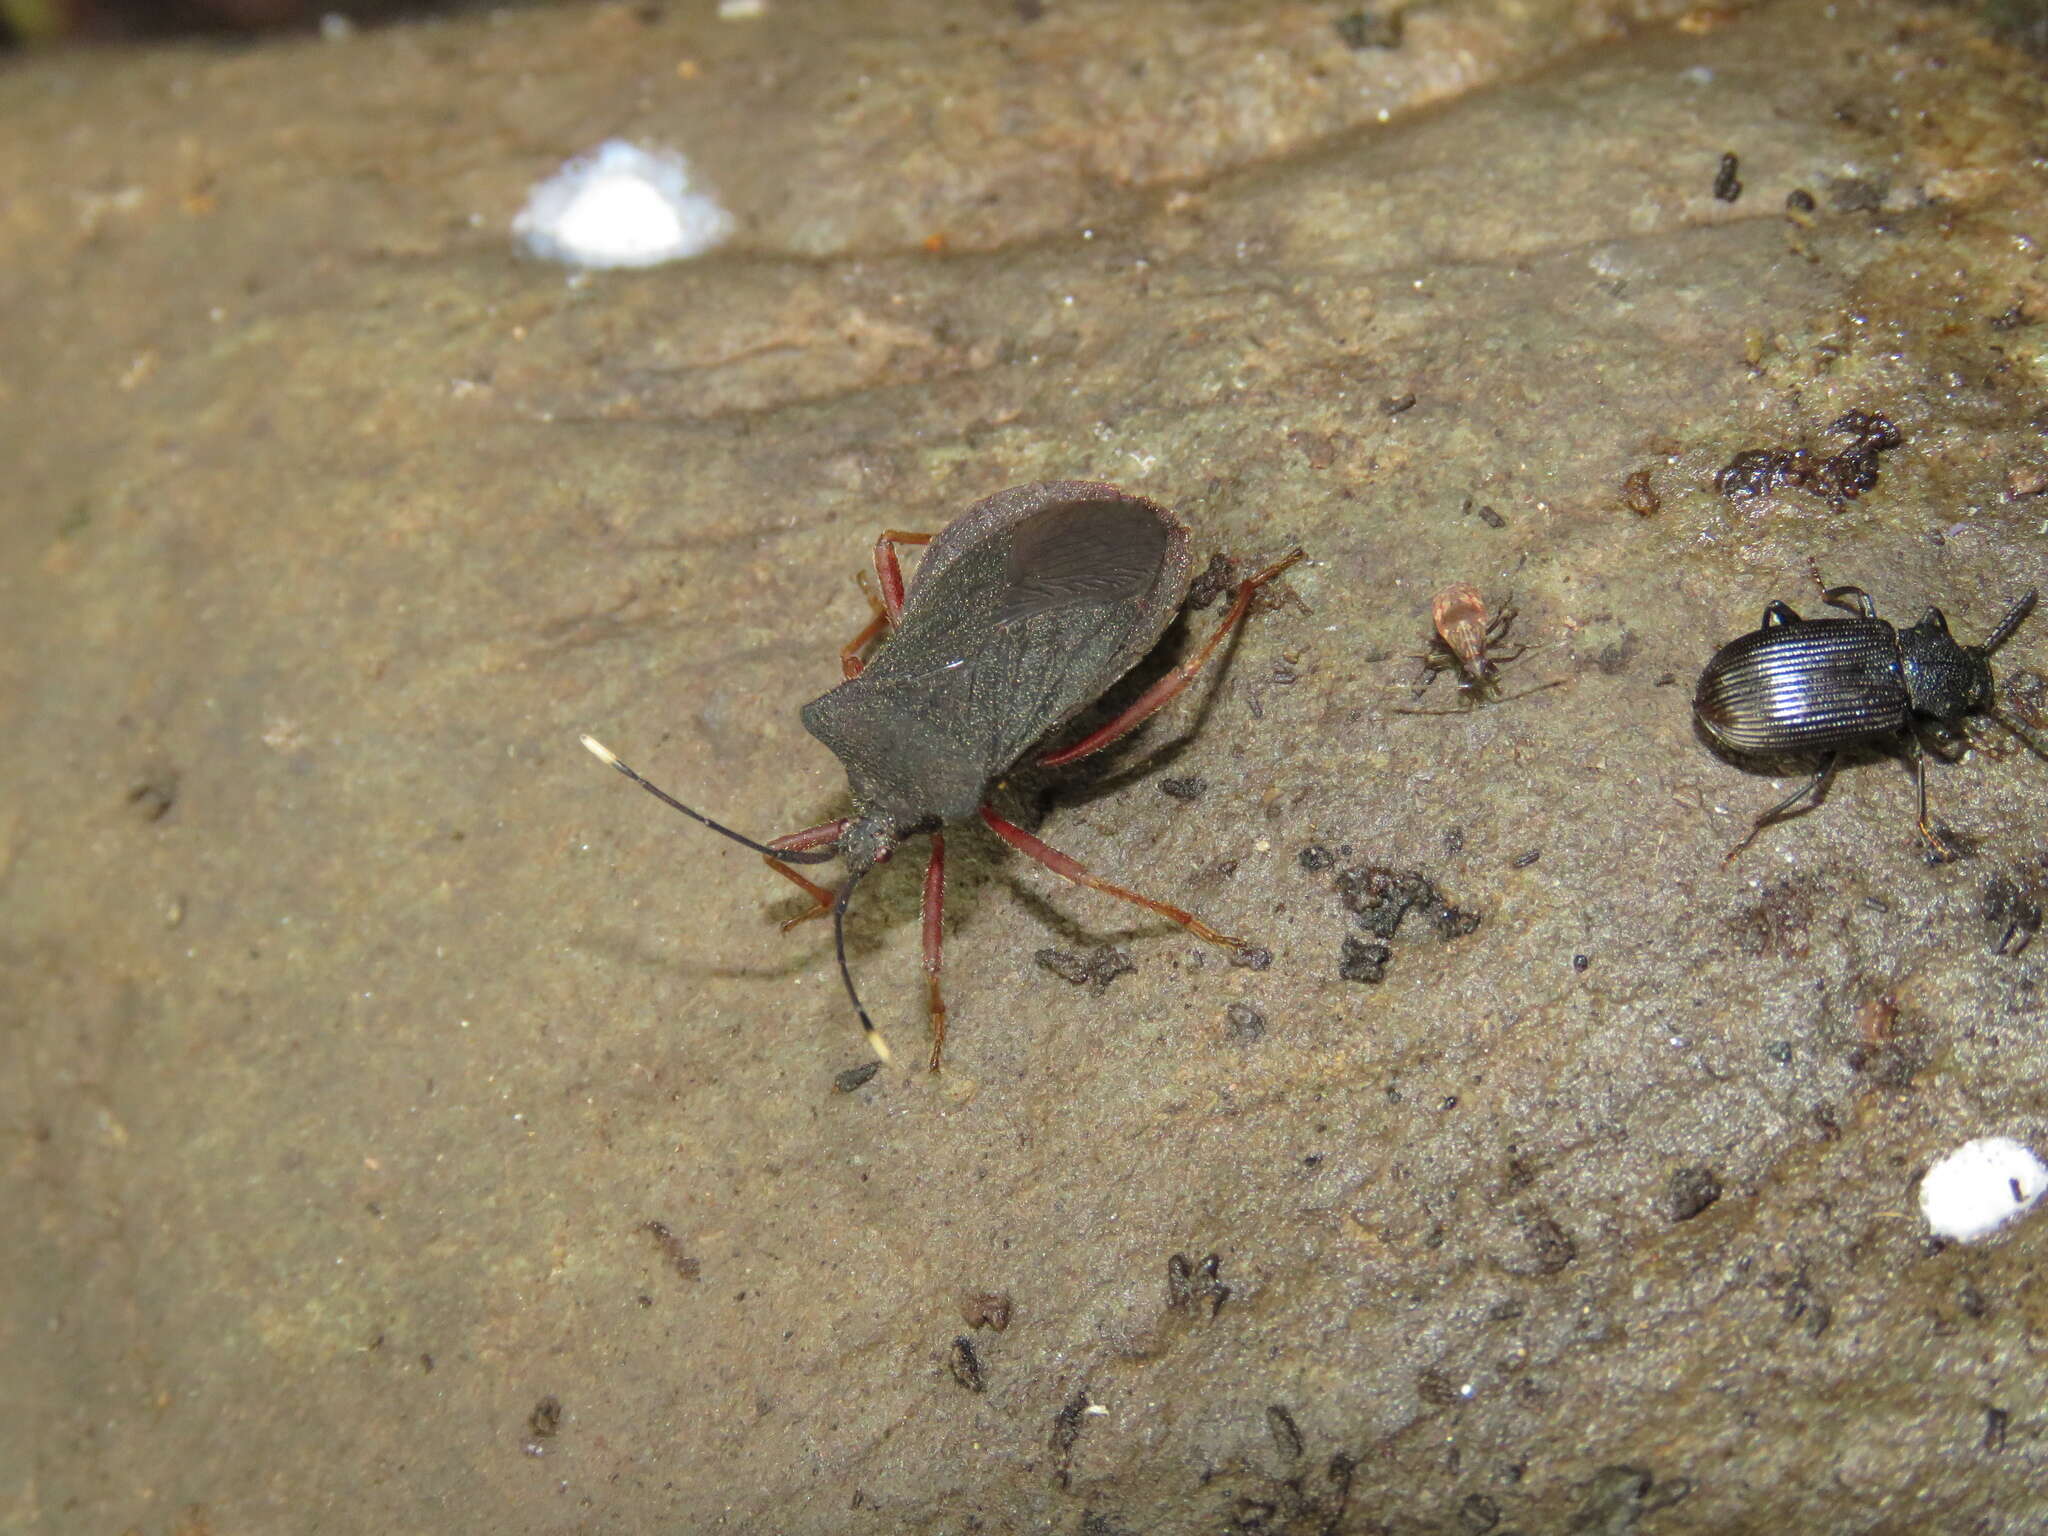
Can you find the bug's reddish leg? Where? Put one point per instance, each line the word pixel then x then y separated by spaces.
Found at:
pixel 796 842
pixel 1060 864
pixel 889 573
pixel 934 914
pixel 849 653
pixel 1160 693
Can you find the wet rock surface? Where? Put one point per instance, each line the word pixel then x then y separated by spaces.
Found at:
pixel 357 1030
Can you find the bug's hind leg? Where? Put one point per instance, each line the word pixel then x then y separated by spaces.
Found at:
pixel 1070 869
pixel 1156 697
pixel 1815 789
pixel 889 606
pixel 934 916
pixel 796 842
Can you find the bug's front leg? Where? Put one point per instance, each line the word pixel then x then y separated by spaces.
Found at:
pixel 796 842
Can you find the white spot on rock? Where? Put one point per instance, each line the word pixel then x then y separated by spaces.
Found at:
pixel 1979 1187
pixel 623 206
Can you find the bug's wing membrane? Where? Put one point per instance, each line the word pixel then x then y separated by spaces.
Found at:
pixel 1076 601
pixel 1005 642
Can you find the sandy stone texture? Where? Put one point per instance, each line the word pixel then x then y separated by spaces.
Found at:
pixel 410 1127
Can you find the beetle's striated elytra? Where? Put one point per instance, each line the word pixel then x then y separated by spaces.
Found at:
pixel 1804 686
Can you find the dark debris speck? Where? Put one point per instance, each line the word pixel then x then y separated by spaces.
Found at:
pixel 1362 29
pixel 856 1078
pixel 986 1309
pixel 1188 1285
pixel 1244 1022
pixel 1362 961
pixel 1217 578
pixel 1098 968
pixel 965 1364
pixel 1380 897
pixel 1727 180
pixel 1690 1192
pixel 1188 787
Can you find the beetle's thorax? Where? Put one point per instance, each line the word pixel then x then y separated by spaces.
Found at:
pixel 1944 680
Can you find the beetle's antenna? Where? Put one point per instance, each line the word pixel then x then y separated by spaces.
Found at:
pixel 2011 621
pixel 2024 738
pixel 874 1035
pixel 604 754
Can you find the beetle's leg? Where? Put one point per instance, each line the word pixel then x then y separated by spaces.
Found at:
pixel 1850 597
pixel 1067 868
pixel 889 572
pixel 1160 693
pixel 796 842
pixel 1939 849
pixel 1816 788
pixel 1777 613
pixel 934 914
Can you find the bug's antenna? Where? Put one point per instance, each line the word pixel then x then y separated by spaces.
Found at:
pixel 604 754
pixel 2011 622
pixel 874 1035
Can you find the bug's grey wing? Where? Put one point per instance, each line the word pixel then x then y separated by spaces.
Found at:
pixel 1032 627
pixel 1012 635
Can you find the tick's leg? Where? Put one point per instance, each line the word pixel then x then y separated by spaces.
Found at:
pixel 934 915
pixel 796 842
pixel 1939 849
pixel 1067 868
pixel 1157 696
pixel 1815 787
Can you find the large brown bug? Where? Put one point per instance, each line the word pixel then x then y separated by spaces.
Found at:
pixel 1022 611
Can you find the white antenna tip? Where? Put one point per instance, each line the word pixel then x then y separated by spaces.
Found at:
pixel 881 1046
pixel 600 751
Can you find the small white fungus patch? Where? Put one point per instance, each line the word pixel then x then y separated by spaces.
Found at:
pixel 623 206
pixel 1980 1187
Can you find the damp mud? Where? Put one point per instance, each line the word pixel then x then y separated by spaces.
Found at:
pixel 410 1126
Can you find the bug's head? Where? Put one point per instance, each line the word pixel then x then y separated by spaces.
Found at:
pixel 868 841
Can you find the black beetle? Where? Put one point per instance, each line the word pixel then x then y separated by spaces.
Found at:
pixel 1798 686
pixel 1023 610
